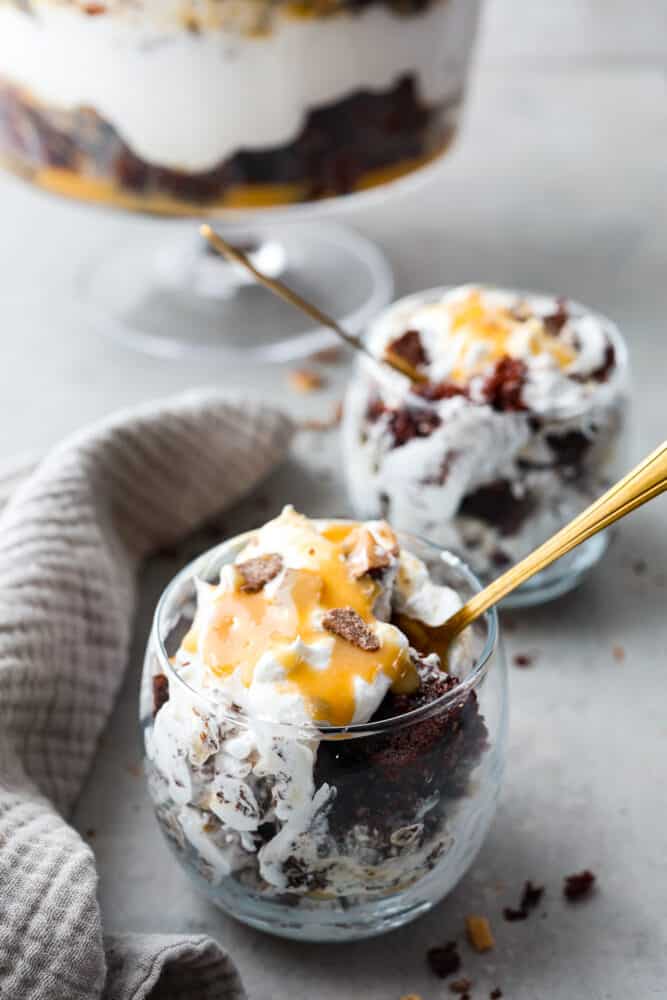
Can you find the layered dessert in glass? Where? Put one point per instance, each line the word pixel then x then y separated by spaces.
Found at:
pixel 179 105
pixel 319 765
pixel 514 429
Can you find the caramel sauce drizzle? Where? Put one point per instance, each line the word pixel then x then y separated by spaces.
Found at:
pixel 243 627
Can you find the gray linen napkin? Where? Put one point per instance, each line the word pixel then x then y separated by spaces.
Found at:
pixel 71 539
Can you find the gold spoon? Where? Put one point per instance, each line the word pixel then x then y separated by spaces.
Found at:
pixel 644 482
pixel 280 289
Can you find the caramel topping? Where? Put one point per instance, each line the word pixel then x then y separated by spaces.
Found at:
pixel 484 333
pixel 238 627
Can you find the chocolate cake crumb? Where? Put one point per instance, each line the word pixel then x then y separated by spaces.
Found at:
pixel 601 374
pixel 503 387
pixel 91 833
pixel 406 424
pixel 435 391
pixel 460 985
pixel 346 623
pixel 555 322
pixel 409 347
pixel 160 692
pixel 522 660
pixel 496 994
pixel 639 567
pixel 445 960
pixel 579 886
pixel 259 571
pixel 530 898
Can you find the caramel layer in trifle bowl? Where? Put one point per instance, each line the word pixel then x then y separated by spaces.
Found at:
pixel 317 774
pixel 514 430
pixel 171 106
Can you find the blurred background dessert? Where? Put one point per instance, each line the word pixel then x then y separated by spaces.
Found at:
pixel 177 106
pixel 514 430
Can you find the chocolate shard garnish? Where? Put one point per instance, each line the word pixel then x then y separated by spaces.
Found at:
pixel 346 623
pixel 160 692
pixel 259 571
pixel 409 347
pixel 579 886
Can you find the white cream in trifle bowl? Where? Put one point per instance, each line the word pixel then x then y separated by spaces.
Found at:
pixel 515 428
pixel 175 105
pixel 322 769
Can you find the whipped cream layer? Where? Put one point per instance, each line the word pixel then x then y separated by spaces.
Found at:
pixel 524 397
pixel 188 100
pixel 267 642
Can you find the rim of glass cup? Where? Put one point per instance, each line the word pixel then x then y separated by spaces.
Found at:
pixel 615 381
pixel 354 730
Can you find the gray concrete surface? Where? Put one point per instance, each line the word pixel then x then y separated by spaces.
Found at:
pixel 559 182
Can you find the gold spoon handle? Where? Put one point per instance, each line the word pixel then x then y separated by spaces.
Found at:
pixel 643 483
pixel 294 299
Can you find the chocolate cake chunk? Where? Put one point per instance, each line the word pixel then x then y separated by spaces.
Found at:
pixel 160 692
pixel 409 347
pixel 497 505
pixel 408 423
pixel 502 389
pixel 382 780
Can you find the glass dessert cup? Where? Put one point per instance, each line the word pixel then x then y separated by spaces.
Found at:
pixel 415 794
pixel 253 113
pixel 570 454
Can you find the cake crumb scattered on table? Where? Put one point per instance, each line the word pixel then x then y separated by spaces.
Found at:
pixel 618 652
pixel 479 933
pixel 530 898
pixel 579 886
pixel 444 960
pixel 523 660
pixel 306 380
pixel 496 994
pixel 460 986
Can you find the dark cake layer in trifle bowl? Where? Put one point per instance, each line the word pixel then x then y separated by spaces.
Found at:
pixel 232 104
pixel 311 830
pixel 517 425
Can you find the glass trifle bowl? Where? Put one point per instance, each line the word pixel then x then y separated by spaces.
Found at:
pixel 519 424
pixel 296 825
pixel 232 108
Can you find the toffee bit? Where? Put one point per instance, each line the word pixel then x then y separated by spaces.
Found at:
pixel 618 653
pixel 160 692
pixel 579 886
pixel 257 572
pixel 462 985
pixel 479 933
pixel 445 960
pixel 346 623
pixel 306 380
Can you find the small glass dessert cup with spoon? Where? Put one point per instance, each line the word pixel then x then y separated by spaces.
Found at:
pixel 324 737
pixel 515 425
pixel 318 774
